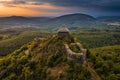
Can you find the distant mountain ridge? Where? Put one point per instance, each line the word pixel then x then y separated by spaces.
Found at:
pixel 21 18
pixel 76 16
pixel 71 20
pixel 21 22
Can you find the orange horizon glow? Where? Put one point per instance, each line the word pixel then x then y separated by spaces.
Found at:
pixel 28 10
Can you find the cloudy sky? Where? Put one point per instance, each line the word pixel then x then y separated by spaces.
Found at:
pixel 59 7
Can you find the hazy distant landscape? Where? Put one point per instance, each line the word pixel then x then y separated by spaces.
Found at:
pixel 71 20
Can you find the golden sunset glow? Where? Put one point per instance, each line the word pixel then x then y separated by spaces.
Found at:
pixel 1 7
pixel 58 7
pixel 17 11
pixel 28 9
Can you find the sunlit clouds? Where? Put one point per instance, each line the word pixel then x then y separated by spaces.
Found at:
pixel 31 8
pixel 58 7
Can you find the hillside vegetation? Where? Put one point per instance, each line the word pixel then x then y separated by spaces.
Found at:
pixel 43 60
pixel 106 62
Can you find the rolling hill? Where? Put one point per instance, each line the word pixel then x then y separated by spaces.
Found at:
pixel 71 20
pixel 45 59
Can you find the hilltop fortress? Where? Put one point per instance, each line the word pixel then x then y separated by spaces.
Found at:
pixel 78 57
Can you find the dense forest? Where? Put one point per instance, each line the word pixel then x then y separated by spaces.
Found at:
pixel 106 62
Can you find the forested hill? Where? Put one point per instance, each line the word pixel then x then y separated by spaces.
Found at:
pixel 44 59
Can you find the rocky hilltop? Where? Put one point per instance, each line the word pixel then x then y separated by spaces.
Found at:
pixel 48 59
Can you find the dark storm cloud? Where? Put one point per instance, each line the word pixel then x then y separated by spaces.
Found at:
pixel 31 2
pixel 99 5
pixel 89 5
pixel 113 6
